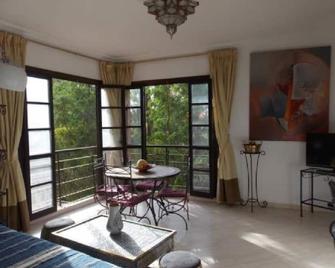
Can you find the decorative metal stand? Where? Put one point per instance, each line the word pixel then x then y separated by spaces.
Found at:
pixel 253 179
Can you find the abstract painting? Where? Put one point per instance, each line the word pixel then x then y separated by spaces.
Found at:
pixel 289 93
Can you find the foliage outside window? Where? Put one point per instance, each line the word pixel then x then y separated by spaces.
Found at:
pixel 75 127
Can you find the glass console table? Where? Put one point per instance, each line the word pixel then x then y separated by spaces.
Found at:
pixel 311 174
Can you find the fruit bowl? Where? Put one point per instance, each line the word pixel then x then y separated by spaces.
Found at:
pixel 144 169
pixel 142 165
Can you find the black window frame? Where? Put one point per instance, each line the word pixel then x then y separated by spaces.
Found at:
pixel 24 143
pixel 213 147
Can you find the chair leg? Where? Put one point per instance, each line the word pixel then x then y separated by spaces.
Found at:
pixel 133 213
pixel 187 210
pixel 169 209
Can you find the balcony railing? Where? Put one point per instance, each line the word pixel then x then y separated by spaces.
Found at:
pixel 170 155
pixel 177 156
pixel 74 174
pixel 75 177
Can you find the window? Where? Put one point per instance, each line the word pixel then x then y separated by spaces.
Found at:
pixel 59 142
pixel 40 145
pixel 133 114
pixel 167 122
pixel 112 125
pixel 201 138
pixel 121 124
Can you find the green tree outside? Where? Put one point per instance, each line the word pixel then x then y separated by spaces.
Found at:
pixel 167 114
pixel 75 126
pixel 74 114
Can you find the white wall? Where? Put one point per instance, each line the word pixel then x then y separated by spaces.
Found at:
pixel 60 61
pixel 279 170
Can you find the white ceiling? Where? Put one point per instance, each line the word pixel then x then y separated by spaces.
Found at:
pixel 122 29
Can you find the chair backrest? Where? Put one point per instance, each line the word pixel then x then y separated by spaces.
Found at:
pixel 121 182
pixel 98 171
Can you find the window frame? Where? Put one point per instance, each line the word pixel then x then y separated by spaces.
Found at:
pixel 29 157
pixel 212 147
pixel 24 153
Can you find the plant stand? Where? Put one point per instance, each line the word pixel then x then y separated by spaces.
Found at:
pixel 253 179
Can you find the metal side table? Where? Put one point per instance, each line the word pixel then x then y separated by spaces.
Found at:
pixel 253 179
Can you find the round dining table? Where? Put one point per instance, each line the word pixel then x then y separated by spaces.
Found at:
pixel 156 174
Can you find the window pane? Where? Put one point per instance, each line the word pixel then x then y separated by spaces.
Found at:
pixel 200 136
pixel 134 154
pixel 111 138
pixel 104 99
pixel 201 181
pixel 157 155
pixel 200 93
pixel 111 117
pixel 133 117
pixel 38 116
pixel 113 158
pixel 111 97
pixel 200 114
pixel 134 136
pixel 37 89
pixel 133 97
pixel 41 198
pixel 167 114
pixel 39 142
pixel 201 159
pixel 40 171
pixel 74 110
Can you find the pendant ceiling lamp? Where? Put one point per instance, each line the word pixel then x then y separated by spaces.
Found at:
pixel 171 13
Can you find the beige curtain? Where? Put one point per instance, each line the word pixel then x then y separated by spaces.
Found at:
pixel 13 47
pixel 116 74
pixel 223 71
pixel 13 52
pixel 120 74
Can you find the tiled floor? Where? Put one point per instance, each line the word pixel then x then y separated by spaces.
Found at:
pixel 226 237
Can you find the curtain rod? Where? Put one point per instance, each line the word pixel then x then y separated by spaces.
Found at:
pixel 172 57
pixel 139 61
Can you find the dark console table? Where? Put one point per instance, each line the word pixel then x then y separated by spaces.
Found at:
pixel 311 174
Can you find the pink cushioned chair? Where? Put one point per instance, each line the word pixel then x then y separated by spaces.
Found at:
pixel 128 197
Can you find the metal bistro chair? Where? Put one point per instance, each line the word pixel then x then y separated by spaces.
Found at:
pixel 128 197
pixel 104 188
pixel 175 198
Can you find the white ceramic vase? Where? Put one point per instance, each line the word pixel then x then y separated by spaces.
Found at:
pixel 114 223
